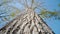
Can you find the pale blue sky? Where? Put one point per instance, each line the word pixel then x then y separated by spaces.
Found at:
pixel 54 24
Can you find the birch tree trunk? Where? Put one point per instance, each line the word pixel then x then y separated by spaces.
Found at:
pixel 27 22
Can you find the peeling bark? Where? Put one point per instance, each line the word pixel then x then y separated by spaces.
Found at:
pixel 27 23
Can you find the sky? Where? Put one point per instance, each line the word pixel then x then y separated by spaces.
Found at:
pixel 52 4
pixel 53 23
pixel 49 5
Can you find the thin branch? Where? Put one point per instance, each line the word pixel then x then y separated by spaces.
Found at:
pixel 25 3
pixel 4 3
pixel 2 13
pixel 37 5
pixel 32 2
pixel 4 16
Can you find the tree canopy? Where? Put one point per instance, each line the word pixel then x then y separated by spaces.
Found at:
pixel 7 11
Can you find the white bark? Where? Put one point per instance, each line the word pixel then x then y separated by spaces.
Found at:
pixel 27 23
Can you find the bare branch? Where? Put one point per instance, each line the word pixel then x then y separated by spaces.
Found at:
pixel 37 5
pixel 5 2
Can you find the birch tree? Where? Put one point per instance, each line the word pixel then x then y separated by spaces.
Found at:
pixel 27 22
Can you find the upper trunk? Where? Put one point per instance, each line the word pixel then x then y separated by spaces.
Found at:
pixel 27 23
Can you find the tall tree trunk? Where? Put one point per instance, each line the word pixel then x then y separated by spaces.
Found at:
pixel 27 23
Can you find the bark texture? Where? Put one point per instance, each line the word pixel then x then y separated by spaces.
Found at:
pixel 26 23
